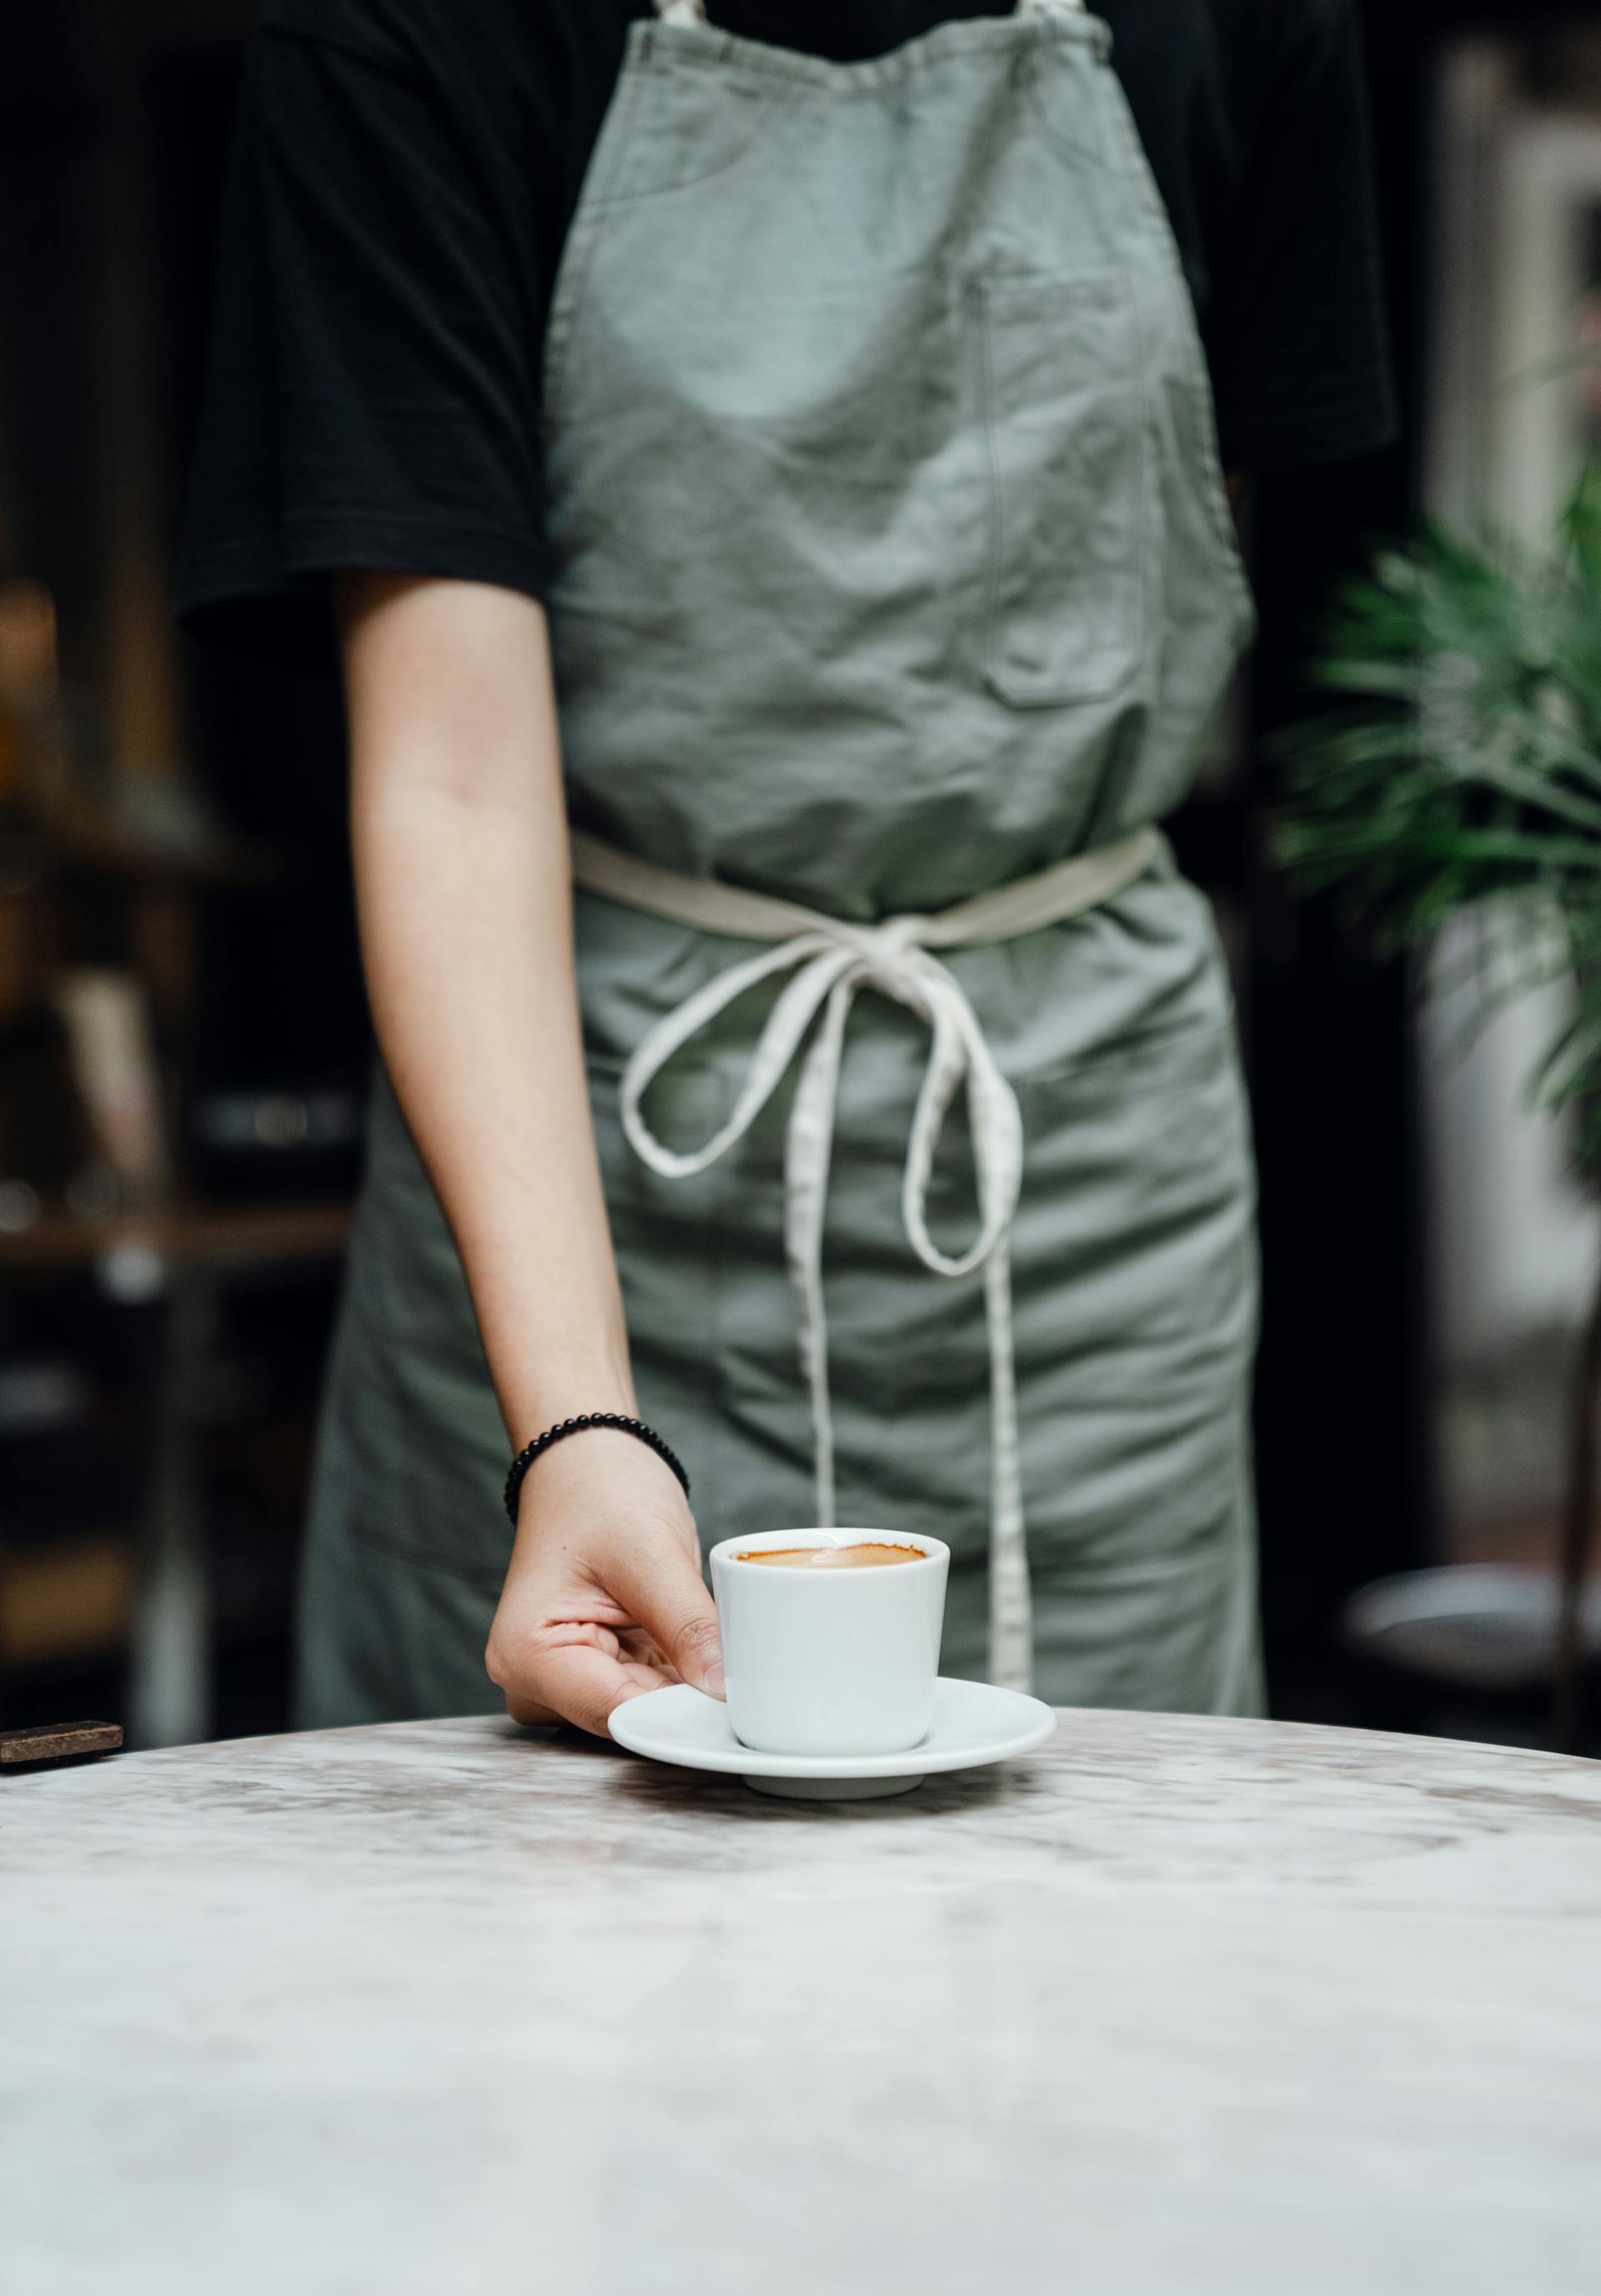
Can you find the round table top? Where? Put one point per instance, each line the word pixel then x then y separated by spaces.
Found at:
pixel 1174 2007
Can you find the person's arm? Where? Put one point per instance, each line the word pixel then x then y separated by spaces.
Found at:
pixel 464 898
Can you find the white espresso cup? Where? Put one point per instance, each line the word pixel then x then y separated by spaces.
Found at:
pixel 830 1661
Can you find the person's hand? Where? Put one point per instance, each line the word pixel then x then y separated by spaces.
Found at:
pixel 603 1599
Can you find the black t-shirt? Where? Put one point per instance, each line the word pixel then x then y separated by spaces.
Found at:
pixel 404 172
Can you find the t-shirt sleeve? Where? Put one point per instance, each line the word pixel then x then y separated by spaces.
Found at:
pixel 370 397
pixel 1297 334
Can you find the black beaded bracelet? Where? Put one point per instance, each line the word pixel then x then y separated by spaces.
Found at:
pixel 531 1451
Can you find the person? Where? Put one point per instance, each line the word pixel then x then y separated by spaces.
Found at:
pixel 763 471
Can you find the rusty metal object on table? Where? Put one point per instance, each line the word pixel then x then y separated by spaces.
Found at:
pixel 57 1741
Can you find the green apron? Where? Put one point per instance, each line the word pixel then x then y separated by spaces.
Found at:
pixel 893 565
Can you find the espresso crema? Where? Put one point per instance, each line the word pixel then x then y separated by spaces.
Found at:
pixel 869 1556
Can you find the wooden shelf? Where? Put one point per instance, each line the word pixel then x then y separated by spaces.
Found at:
pixel 191 1235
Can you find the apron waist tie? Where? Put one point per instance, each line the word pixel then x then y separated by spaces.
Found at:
pixel 831 959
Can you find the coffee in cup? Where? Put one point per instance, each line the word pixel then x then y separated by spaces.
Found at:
pixel 867 1555
pixel 826 1651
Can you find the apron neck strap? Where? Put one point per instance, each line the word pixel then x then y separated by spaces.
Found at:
pixel 693 12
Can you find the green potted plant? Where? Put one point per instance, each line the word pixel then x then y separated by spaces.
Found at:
pixel 1460 774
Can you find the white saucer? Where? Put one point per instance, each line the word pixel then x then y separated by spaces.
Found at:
pixel 973 1723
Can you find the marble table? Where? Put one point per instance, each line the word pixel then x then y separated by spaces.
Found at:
pixel 1174 2007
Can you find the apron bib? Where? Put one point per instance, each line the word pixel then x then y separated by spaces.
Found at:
pixel 894 565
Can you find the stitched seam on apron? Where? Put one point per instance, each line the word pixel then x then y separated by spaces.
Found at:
pixel 956 39
pixel 1202 412
pixel 771 104
pixel 1053 690
pixel 1148 490
pixel 572 269
pixel 1063 142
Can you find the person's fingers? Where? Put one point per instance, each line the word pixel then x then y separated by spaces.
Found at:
pixel 576 1675
pixel 659 1585
pixel 527 1712
pixel 585 1685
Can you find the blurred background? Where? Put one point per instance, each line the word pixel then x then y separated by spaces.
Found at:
pixel 184 1044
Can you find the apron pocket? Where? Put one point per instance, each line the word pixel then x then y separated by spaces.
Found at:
pixel 1064 424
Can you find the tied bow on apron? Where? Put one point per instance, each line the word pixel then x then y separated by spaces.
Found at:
pixel 832 960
